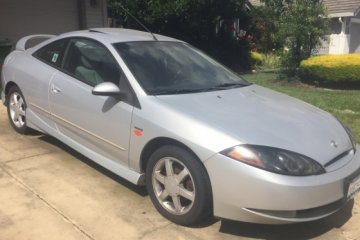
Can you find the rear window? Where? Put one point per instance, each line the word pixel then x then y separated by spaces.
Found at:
pixel 53 53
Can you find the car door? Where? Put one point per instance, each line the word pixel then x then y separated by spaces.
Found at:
pixel 37 76
pixel 100 124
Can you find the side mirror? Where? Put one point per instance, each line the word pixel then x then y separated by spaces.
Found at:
pixel 106 89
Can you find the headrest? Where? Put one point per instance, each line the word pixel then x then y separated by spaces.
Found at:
pixel 91 53
pixel 85 62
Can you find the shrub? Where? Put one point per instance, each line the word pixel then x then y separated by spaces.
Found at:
pixel 267 61
pixel 271 61
pixel 331 69
pixel 256 58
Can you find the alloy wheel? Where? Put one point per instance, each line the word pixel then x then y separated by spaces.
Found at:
pixel 17 109
pixel 173 185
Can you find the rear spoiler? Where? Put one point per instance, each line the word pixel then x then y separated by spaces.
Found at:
pixel 21 44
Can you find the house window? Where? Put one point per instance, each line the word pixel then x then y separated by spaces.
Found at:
pixel 335 26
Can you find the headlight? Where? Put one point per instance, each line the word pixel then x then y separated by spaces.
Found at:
pixel 351 135
pixel 275 160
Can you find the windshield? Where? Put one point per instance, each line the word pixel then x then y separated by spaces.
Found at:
pixel 174 68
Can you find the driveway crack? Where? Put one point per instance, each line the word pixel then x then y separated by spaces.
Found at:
pixel 42 199
pixel 32 156
pixel 144 234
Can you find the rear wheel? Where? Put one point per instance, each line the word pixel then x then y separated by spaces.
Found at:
pixel 16 107
pixel 178 185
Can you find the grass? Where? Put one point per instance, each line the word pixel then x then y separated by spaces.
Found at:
pixel 343 104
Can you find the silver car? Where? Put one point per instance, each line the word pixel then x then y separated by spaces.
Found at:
pixel 158 112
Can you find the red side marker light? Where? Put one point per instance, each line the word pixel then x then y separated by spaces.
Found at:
pixel 137 132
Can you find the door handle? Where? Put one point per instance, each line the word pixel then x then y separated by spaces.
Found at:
pixel 55 89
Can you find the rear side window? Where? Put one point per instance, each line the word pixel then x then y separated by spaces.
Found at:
pixel 53 53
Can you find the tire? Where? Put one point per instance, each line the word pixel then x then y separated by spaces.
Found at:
pixel 16 107
pixel 179 186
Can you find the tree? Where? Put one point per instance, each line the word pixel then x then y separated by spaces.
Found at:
pixel 295 25
pixel 266 24
pixel 193 21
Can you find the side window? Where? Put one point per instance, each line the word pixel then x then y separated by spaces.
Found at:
pixel 53 53
pixel 91 62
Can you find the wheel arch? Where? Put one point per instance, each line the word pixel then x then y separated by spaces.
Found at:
pixel 155 144
pixel 8 86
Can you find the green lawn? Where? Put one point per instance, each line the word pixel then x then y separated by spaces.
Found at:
pixel 344 104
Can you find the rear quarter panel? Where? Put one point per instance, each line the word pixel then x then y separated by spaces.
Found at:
pixel 32 77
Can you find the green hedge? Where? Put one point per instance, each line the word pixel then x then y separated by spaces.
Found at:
pixel 331 69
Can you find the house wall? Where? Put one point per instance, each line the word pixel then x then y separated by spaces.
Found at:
pixel 341 39
pixel 355 37
pixel 345 37
pixel 19 18
pixel 95 13
pixel 355 34
pixel 339 43
pixel 324 46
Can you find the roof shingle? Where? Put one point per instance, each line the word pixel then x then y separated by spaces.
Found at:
pixel 342 7
pixel 336 8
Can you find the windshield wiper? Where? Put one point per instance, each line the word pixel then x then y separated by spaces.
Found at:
pixel 224 86
pixel 177 91
pixel 228 85
pixel 217 87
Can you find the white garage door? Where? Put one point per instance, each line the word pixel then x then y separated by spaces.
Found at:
pixel 19 18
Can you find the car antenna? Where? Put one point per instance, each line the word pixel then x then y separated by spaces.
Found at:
pixel 138 21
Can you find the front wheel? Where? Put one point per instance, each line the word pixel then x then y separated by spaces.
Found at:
pixel 178 185
pixel 16 107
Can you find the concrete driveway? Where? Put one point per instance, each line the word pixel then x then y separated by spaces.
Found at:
pixel 48 191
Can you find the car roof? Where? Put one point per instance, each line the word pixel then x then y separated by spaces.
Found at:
pixel 115 35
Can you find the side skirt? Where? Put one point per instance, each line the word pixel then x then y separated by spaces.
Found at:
pixel 37 123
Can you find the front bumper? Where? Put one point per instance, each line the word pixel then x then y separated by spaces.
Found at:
pixel 245 193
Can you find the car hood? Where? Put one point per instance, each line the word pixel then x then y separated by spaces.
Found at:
pixel 256 115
